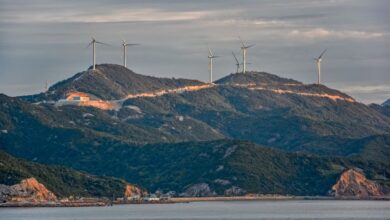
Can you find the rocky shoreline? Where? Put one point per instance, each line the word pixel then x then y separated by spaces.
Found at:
pixel 97 202
pixel 351 185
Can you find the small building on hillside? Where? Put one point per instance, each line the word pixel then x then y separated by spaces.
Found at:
pixel 78 96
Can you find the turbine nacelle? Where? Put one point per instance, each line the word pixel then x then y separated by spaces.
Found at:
pixel 127 44
pixel 246 47
pixel 211 54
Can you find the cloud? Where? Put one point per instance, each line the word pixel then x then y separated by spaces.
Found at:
pixel 367 93
pixel 117 15
pixel 321 33
pixel 368 89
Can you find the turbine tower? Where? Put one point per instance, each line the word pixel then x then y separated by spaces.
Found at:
pixel 211 57
pixel 244 47
pixel 237 62
pixel 93 43
pixel 125 45
pixel 318 61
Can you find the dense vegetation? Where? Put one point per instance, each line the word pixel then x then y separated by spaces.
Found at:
pixel 176 167
pixel 63 182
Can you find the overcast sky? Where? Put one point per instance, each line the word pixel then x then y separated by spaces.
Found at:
pixel 46 40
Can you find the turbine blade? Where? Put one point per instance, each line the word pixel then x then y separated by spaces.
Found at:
pixel 234 55
pixel 210 53
pixel 98 42
pixel 132 44
pixel 322 54
pixel 252 45
pixel 89 44
pixel 242 42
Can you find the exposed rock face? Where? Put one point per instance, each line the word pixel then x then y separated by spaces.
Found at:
pixel 353 183
pixel 28 190
pixel 133 191
pixel 199 190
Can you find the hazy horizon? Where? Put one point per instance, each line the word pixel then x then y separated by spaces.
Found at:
pixel 46 40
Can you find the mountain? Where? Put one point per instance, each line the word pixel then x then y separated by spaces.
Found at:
pixel 159 131
pixel 386 103
pixel 63 182
pixel 256 106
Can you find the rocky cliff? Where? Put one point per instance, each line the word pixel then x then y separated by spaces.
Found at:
pixel 133 191
pixel 28 190
pixel 353 183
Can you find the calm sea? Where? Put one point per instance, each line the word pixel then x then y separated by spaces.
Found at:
pixel 213 210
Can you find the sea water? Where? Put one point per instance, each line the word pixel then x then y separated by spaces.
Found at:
pixel 291 209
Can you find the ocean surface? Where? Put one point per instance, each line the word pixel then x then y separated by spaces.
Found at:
pixel 302 209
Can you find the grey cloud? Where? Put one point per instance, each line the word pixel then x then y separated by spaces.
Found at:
pixel 354 31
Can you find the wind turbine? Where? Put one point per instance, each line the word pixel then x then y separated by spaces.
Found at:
pixel 211 57
pixel 244 47
pixel 93 42
pixel 318 61
pixel 237 62
pixel 125 45
pixel 46 86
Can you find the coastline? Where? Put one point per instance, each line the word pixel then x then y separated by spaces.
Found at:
pixel 105 202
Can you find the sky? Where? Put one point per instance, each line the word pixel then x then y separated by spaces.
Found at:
pixel 46 40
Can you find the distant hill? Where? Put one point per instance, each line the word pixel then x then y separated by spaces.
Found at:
pixel 63 182
pixel 386 103
pixel 383 109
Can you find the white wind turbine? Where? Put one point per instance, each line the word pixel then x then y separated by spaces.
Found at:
pixel 125 45
pixel 318 62
pixel 211 56
pixel 244 47
pixel 237 62
pixel 93 42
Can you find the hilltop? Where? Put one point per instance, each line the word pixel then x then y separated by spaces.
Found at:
pixel 108 82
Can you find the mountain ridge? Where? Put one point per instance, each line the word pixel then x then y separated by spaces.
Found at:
pixel 164 121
